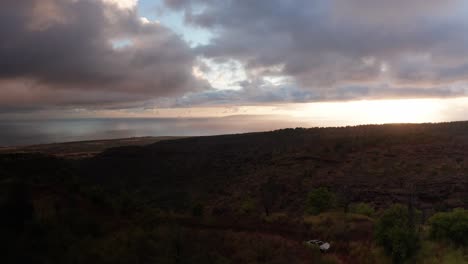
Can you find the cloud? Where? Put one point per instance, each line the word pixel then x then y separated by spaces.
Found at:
pixel 64 53
pixel 103 54
pixel 393 13
pixel 261 92
pixel 122 4
pixel 325 45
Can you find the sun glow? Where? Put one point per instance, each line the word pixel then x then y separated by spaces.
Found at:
pixel 397 111
pixel 376 111
pixel 323 114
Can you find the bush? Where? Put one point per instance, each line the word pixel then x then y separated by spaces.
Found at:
pixel 362 208
pixel 396 233
pixel 450 226
pixel 320 200
pixel 197 210
pixel 248 206
pixel 276 218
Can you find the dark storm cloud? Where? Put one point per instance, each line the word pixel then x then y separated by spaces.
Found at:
pixel 87 52
pixel 329 44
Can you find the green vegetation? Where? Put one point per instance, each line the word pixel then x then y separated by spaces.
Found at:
pixel 396 233
pixel 450 226
pixel 248 206
pixel 276 218
pixel 198 210
pixel 320 200
pixel 362 208
pixel 248 198
pixel 269 194
pixel 432 252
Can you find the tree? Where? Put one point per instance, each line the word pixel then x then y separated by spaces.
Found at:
pixel 269 193
pixel 396 233
pixel 345 196
pixel 450 226
pixel 320 200
pixel 197 210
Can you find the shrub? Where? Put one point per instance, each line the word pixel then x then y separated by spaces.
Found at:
pixel 396 233
pixel 362 208
pixel 450 226
pixel 276 218
pixel 320 200
pixel 248 206
pixel 197 210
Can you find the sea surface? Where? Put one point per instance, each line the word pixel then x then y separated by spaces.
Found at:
pixel 29 132
pixel 19 130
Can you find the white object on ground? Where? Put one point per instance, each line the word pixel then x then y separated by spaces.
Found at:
pixel 323 246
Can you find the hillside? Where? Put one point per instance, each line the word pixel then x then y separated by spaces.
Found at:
pixel 82 149
pixel 246 188
pixel 378 164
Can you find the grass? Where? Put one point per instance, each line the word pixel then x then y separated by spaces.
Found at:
pixel 432 252
pixel 334 216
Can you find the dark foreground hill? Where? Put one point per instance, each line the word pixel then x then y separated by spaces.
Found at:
pixel 377 164
pixel 59 208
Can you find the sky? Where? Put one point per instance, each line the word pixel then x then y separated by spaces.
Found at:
pixel 358 61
